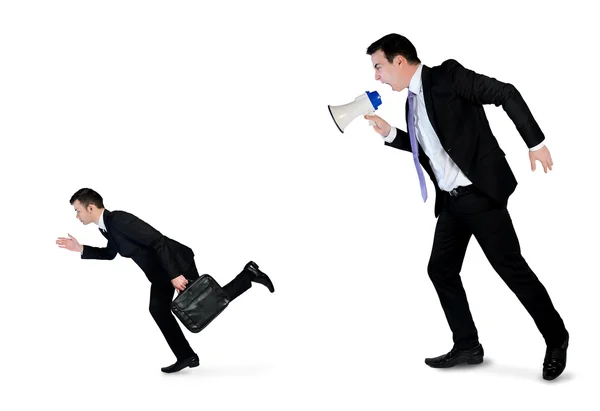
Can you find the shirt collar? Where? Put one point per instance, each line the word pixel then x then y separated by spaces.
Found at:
pixel 415 81
pixel 101 221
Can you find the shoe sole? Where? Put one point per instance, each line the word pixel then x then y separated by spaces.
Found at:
pixel 548 378
pixel 477 360
pixel 172 372
pixel 470 361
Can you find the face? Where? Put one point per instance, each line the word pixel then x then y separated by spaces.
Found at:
pixel 393 74
pixel 83 214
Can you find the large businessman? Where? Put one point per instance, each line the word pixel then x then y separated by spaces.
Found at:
pixel 167 264
pixel 451 140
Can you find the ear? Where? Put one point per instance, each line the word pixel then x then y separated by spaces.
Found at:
pixel 398 60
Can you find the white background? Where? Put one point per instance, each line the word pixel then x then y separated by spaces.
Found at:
pixel 209 120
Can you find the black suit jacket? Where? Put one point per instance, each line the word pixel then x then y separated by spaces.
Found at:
pixel 160 257
pixel 454 98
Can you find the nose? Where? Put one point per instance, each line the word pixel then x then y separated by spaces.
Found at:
pixel 377 77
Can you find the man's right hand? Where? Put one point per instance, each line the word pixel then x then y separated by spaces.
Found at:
pixel 381 126
pixel 70 243
pixel 179 283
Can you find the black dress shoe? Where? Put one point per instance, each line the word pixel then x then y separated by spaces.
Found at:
pixel 258 276
pixel 555 361
pixel 471 356
pixel 191 362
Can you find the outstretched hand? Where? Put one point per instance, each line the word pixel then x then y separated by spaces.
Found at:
pixel 543 156
pixel 70 243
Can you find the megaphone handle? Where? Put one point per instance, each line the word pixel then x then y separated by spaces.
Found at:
pixel 371 122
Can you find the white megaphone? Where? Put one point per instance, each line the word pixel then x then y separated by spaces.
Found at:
pixel 366 103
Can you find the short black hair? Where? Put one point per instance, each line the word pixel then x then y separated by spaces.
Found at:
pixel 87 196
pixel 393 45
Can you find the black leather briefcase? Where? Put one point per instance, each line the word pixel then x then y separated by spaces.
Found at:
pixel 200 303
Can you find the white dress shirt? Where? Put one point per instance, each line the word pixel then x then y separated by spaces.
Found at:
pixel 101 221
pixel 445 170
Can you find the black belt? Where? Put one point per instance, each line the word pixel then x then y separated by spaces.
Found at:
pixel 460 190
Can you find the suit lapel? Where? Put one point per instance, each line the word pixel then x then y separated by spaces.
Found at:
pixel 426 83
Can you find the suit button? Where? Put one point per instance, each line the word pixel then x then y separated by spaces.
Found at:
pixel 448 150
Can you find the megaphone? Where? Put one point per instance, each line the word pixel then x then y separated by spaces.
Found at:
pixel 366 103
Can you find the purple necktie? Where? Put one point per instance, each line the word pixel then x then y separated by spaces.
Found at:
pixel 413 142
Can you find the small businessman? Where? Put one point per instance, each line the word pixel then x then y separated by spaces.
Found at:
pixel 168 265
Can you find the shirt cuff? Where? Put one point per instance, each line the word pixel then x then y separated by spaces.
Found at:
pixel 536 148
pixel 391 135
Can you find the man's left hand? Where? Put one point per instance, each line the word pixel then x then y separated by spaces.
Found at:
pixel 543 156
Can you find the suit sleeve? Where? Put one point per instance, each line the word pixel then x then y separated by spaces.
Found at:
pixel 99 253
pixel 481 89
pixel 401 141
pixel 147 236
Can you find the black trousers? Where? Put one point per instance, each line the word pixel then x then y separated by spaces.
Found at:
pixel 477 214
pixel 161 296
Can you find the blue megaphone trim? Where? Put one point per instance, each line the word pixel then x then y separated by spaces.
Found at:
pixel 375 98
